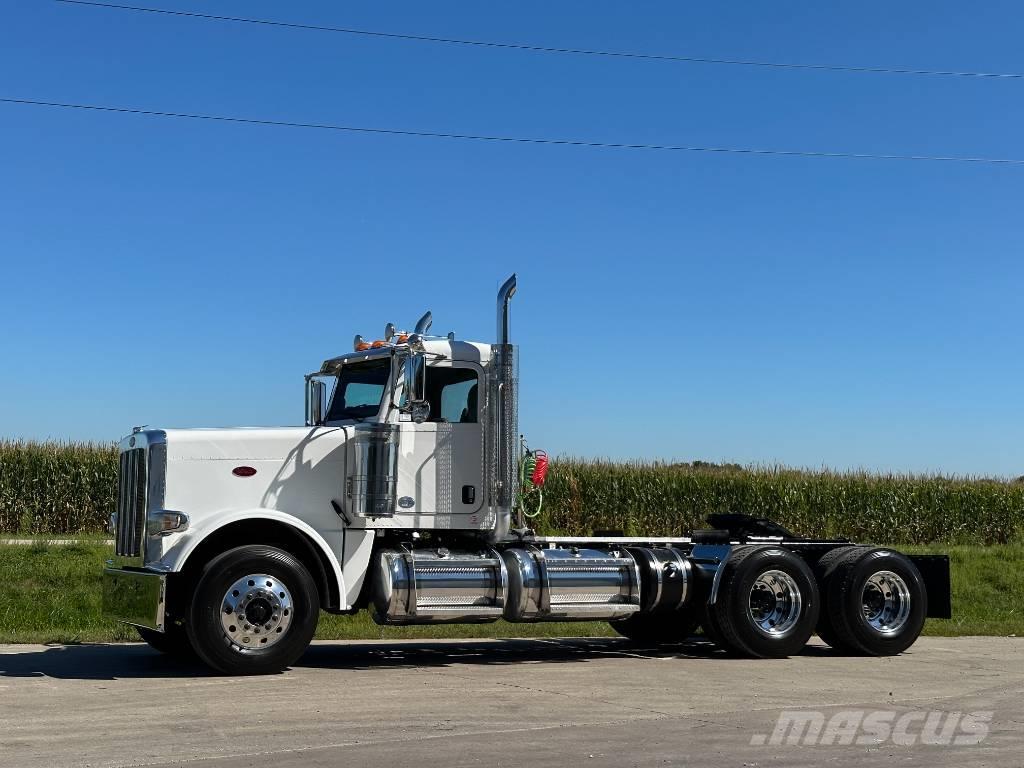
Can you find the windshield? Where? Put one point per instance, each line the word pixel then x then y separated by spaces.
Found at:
pixel 360 389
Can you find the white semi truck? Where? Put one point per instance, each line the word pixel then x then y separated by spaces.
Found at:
pixel 402 495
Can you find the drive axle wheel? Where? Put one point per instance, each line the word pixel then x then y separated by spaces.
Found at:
pixel 657 628
pixel 824 571
pixel 767 603
pixel 254 611
pixel 875 602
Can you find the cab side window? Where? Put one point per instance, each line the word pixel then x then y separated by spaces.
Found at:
pixel 453 395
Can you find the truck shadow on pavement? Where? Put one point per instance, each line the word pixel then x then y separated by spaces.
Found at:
pixel 96 662
pixel 138 661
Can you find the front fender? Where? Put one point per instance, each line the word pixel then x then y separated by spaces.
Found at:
pixel 176 555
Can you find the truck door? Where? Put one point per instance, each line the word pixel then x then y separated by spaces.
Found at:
pixel 440 465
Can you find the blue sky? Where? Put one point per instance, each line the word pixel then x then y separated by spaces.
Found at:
pixel 849 313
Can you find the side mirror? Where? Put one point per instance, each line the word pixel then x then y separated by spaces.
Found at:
pixel 316 401
pixel 415 386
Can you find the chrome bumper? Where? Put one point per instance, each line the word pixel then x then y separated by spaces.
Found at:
pixel 135 597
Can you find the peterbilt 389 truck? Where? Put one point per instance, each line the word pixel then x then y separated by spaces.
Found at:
pixel 403 495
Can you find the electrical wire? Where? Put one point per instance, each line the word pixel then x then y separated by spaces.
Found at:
pixel 553 49
pixel 512 139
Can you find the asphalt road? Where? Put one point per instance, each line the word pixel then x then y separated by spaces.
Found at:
pixel 596 702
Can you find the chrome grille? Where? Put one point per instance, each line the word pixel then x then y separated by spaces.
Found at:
pixel 131 503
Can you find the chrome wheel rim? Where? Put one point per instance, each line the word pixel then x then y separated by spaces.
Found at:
pixel 256 611
pixel 774 603
pixel 885 602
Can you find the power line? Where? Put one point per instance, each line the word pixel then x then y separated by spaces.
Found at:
pixel 553 49
pixel 511 139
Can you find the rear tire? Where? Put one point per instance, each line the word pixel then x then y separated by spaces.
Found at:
pixel 710 627
pixel 875 602
pixel 658 628
pixel 767 603
pixel 254 611
pixel 824 572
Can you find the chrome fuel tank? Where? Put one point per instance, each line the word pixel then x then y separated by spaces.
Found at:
pixel 570 584
pixel 436 586
pixel 666 578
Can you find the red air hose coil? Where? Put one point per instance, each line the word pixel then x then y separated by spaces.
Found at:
pixel 540 471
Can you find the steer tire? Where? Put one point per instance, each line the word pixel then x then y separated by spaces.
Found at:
pixel 848 608
pixel 265 651
pixel 173 641
pixel 658 628
pixel 743 596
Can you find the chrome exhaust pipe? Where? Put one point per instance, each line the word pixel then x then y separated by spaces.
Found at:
pixel 505 294
pixel 424 324
pixel 505 421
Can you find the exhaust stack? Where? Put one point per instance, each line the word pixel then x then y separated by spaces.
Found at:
pixel 504 418
pixel 424 324
pixel 505 294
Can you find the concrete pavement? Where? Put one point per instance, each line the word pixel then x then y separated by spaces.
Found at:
pixel 593 702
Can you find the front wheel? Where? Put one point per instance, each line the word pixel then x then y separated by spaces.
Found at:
pixel 254 611
pixel 173 641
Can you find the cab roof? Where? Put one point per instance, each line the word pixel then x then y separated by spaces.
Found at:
pixel 438 347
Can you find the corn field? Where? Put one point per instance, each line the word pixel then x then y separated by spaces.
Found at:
pixel 670 499
pixel 58 488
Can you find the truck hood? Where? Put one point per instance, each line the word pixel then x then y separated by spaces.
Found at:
pixel 250 443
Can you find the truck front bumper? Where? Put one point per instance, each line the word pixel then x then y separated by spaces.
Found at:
pixel 135 597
